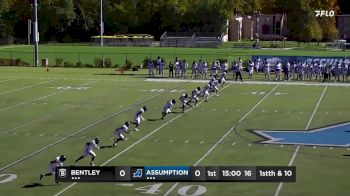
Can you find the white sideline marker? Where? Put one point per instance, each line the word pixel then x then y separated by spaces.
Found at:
pixel 55 135
pixel 14 133
pixel 82 137
pixel 186 141
pixel 234 143
pixel 171 141
pixel 27 134
pixel 41 135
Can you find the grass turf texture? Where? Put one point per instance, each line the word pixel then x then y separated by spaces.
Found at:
pixel 35 113
pixel 118 55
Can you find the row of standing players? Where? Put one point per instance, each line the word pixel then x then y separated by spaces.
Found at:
pixel 185 100
pixel 291 70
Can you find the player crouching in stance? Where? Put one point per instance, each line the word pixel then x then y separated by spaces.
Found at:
pixel 58 162
pixel 139 117
pixel 119 133
pixel 195 93
pixel 184 101
pixel 88 151
pixel 167 108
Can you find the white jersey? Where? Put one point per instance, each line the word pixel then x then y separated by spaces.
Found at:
pixel 140 113
pixel 91 145
pixel 278 67
pixel 55 163
pixel 195 93
pixel 122 130
pixel 168 106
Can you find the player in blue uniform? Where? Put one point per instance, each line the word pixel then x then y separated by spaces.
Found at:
pixel 195 93
pixel 184 101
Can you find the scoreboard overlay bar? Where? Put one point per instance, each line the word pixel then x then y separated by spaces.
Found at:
pixel 176 174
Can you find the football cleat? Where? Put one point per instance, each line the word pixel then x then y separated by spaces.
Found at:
pixel 173 101
pixel 92 163
pixel 41 176
pixel 199 88
pixel 127 124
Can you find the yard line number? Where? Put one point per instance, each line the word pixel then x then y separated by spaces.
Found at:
pixel 188 190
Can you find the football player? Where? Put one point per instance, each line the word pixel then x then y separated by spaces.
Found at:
pixel 195 93
pixel 206 92
pixel 88 150
pixel 167 108
pixel 119 133
pixel 184 101
pixel 214 83
pixel 223 79
pixel 58 162
pixel 139 117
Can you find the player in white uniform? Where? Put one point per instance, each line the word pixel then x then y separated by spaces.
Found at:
pixel 214 86
pixel 250 70
pixel 278 70
pixel 167 108
pixel 206 92
pixel 119 133
pixel 184 101
pixel 195 93
pixel 223 79
pixel 318 71
pixel 139 117
pixel 267 70
pixel 88 151
pixel 57 162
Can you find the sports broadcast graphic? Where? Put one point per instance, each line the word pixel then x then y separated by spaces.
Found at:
pixel 175 98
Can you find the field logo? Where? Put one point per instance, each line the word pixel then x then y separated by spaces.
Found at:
pixel 62 172
pixel 324 13
pixel 334 135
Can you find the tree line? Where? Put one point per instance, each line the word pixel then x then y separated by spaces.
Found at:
pixel 78 20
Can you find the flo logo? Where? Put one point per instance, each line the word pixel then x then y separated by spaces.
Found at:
pixel 324 13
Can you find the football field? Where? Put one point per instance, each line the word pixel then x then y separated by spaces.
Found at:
pixel 46 114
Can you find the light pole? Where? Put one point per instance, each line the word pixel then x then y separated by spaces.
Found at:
pixel 256 14
pixel 36 34
pixel 101 24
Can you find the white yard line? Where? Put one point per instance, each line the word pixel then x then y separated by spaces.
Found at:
pixel 43 97
pixel 25 87
pixel 137 142
pixel 292 83
pixel 62 110
pixel 81 130
pixel 8 80
pixel 224 136
pixel 280 185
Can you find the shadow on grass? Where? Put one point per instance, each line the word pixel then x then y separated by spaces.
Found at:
pixel 33 185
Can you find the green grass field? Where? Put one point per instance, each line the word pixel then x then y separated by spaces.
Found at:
pixel 118 55
pixel 46 114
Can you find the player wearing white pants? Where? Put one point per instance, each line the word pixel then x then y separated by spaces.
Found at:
pixel 167 108
pixel 250 70
pixel 206 92
pixel 57 162
pixel 119 133
pixel 223 79
pixel 139 117
pixel 195 93
pixel 184 101
pixel 88 151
